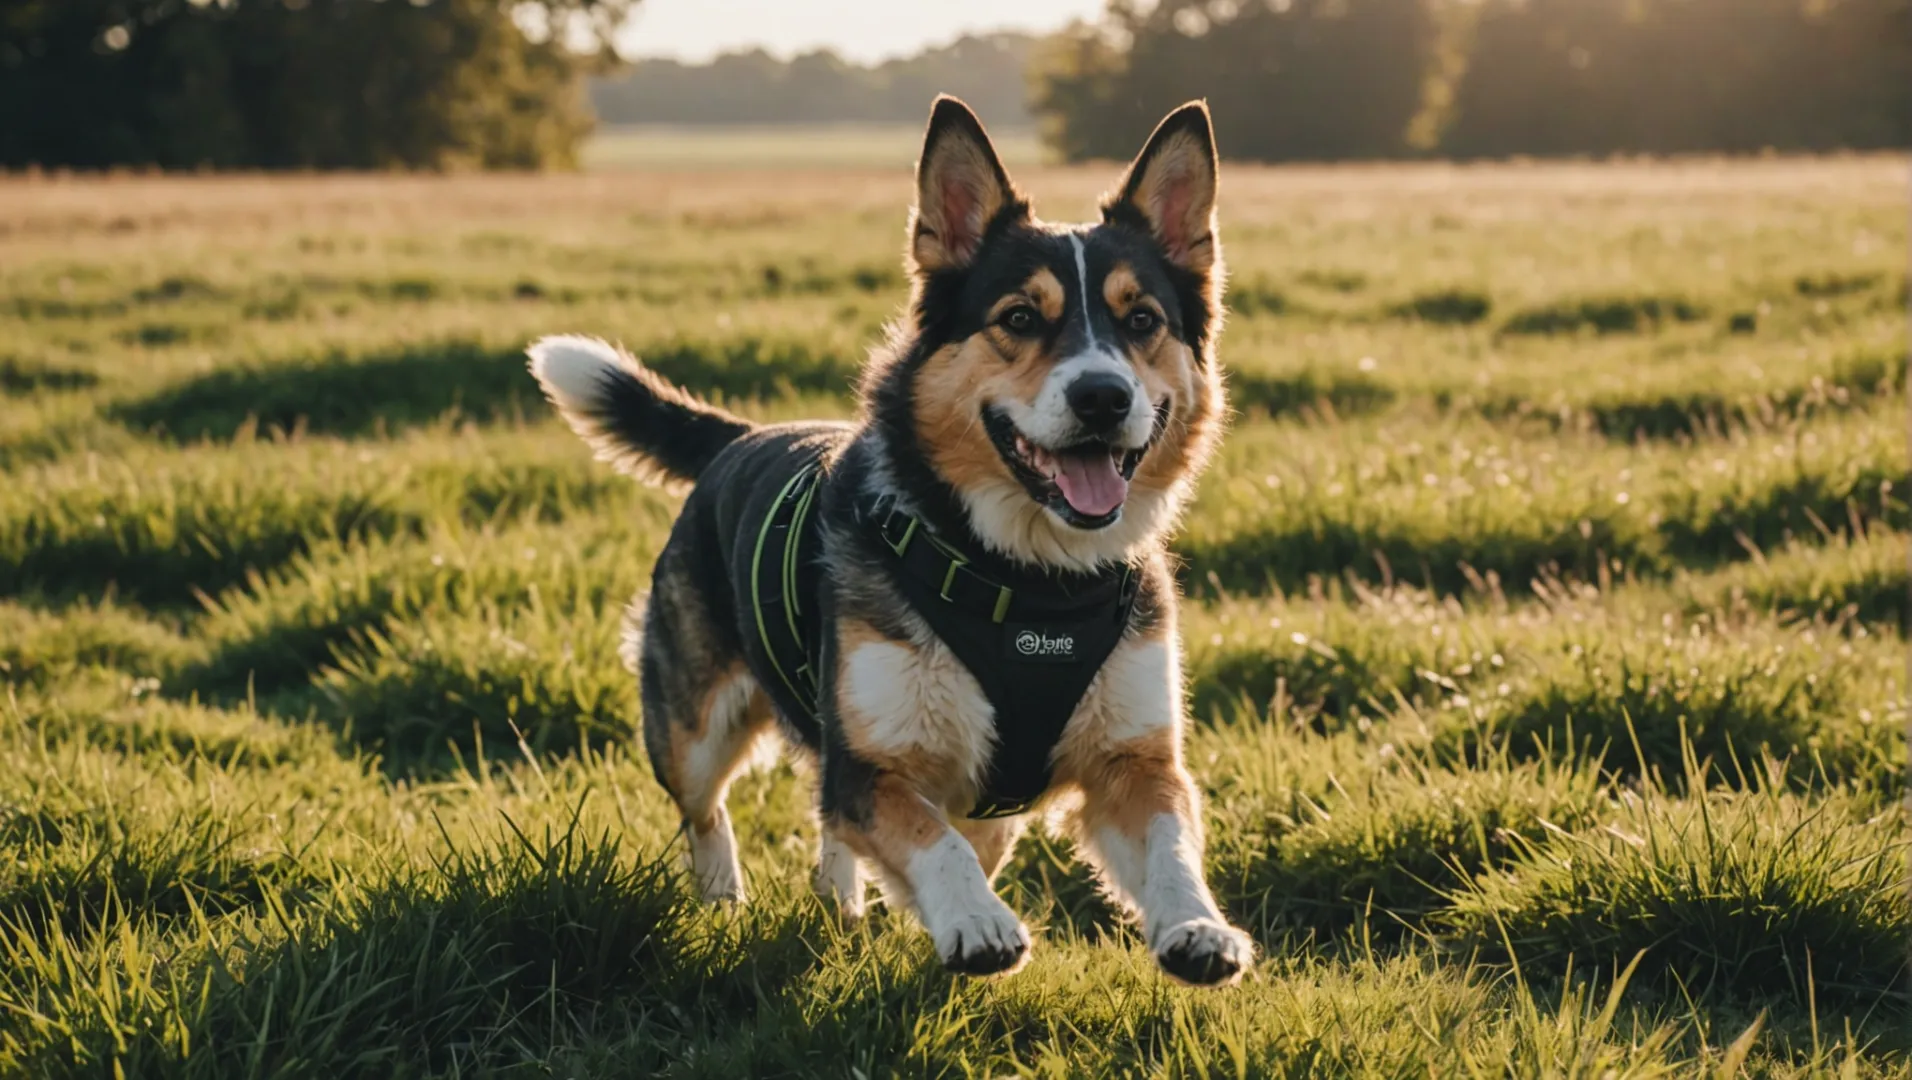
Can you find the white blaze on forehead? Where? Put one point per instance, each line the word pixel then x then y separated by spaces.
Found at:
pixel 1049 421
pixel 1082 275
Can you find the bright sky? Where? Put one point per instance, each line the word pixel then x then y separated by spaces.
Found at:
pixel 861 30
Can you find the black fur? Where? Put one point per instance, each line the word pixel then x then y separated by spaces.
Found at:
pixel 679 433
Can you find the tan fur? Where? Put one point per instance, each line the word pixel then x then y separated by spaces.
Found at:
pixel 723 743
pixel 951 389
pixel 1176 194
pixel 958 193
pixel 993 840
pixel 1130 782
pixel 953 385
pixel 901 824
pixel 1043 292
pixel 1121 290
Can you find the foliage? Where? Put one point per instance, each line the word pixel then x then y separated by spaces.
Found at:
pixel 1336 79
pixel 985 70
pixel 289 84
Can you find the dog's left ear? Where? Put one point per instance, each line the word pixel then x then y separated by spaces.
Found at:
pixel 961 188
pixel 1169 190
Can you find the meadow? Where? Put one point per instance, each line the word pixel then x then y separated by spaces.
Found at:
pixel 1545 636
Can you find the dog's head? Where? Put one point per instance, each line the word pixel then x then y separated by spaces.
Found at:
pixel 1060 381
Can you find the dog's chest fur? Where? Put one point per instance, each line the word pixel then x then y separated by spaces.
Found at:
pixel 914 709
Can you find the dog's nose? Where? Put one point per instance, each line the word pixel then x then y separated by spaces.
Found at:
pixel 1100 399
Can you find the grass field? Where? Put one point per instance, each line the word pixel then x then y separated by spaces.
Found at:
pixel 782 146
pixel 1545 637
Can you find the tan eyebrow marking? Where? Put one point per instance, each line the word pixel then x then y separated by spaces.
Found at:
pixel 1043 290
pixel 1122 289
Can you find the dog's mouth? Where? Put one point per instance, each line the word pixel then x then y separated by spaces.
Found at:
pixel 1085 484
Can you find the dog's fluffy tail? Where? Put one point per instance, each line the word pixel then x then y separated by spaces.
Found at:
pixel 632 417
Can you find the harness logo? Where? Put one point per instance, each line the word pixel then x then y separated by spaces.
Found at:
pixel 1037 645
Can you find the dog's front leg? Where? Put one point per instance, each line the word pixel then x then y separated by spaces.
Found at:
pixel 927 861
pixel 1141 823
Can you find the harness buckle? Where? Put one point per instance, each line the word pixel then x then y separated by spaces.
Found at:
pixel 909 533
pixel 956 563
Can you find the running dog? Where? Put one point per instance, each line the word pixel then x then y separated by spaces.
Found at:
pixel 959 604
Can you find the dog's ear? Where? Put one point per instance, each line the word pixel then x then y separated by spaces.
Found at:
pixel 961 189
pixel 1169 190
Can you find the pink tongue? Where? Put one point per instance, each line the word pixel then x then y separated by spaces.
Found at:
pixel 1090 483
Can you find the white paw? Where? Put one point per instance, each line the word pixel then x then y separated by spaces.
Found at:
pixel 713 862
pixel 983 942
pixel 1203 952
pixel 840 880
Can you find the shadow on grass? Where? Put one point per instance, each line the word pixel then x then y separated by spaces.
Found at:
pixel 1605 315
pixel 19 377
pixel 1253 561
pixel 1445 307
pixel 339 394
pixel 1855 381
pixel 1304 392
pixel 1287 556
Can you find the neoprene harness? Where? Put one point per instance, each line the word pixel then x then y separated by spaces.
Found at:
pixel 1033 642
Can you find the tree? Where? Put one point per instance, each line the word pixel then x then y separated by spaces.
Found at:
pixel 1297 79
pixel 1287 79
pixel 1665 76
pixel 295 83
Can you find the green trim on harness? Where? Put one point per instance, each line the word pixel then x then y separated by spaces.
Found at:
pixel 809 475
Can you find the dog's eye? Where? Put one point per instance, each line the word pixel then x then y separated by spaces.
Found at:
pixel 1142 321
pixel 1021 319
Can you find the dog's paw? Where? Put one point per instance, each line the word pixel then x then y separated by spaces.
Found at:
pixel 983 943
pixel 1204 952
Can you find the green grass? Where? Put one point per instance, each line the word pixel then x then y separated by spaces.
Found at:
pixel 1545 639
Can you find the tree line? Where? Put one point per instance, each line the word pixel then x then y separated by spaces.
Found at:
pixel 296 84
pixel 435 84
pixel 1337 79
pixel 819 87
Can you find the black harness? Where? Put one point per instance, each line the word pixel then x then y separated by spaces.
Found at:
pixel 1033 642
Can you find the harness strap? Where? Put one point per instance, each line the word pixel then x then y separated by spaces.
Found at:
pixel 1033 647
pixel 928 558
pixel 789 656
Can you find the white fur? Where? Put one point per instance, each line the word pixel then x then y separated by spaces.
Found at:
pixel 713 851
pixel 713 860
pixel 1163 877
pixel 1050 422
pixel 574 370
pixel 709 756
pixel 1082 279
pixel 961 913
pixel 576 374
pixel 1011 523
pixel 1140 691
pixel 839 876
pixel 1174 891
pixel 922 699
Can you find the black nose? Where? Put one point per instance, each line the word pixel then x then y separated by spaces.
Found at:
pixel 1100 399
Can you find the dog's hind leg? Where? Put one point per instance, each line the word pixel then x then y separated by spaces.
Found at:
pixel 703 712
pixel 839 875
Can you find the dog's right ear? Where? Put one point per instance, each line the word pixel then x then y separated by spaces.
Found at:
pixel 961 189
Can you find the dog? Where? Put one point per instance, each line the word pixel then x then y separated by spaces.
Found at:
pixel 959 604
